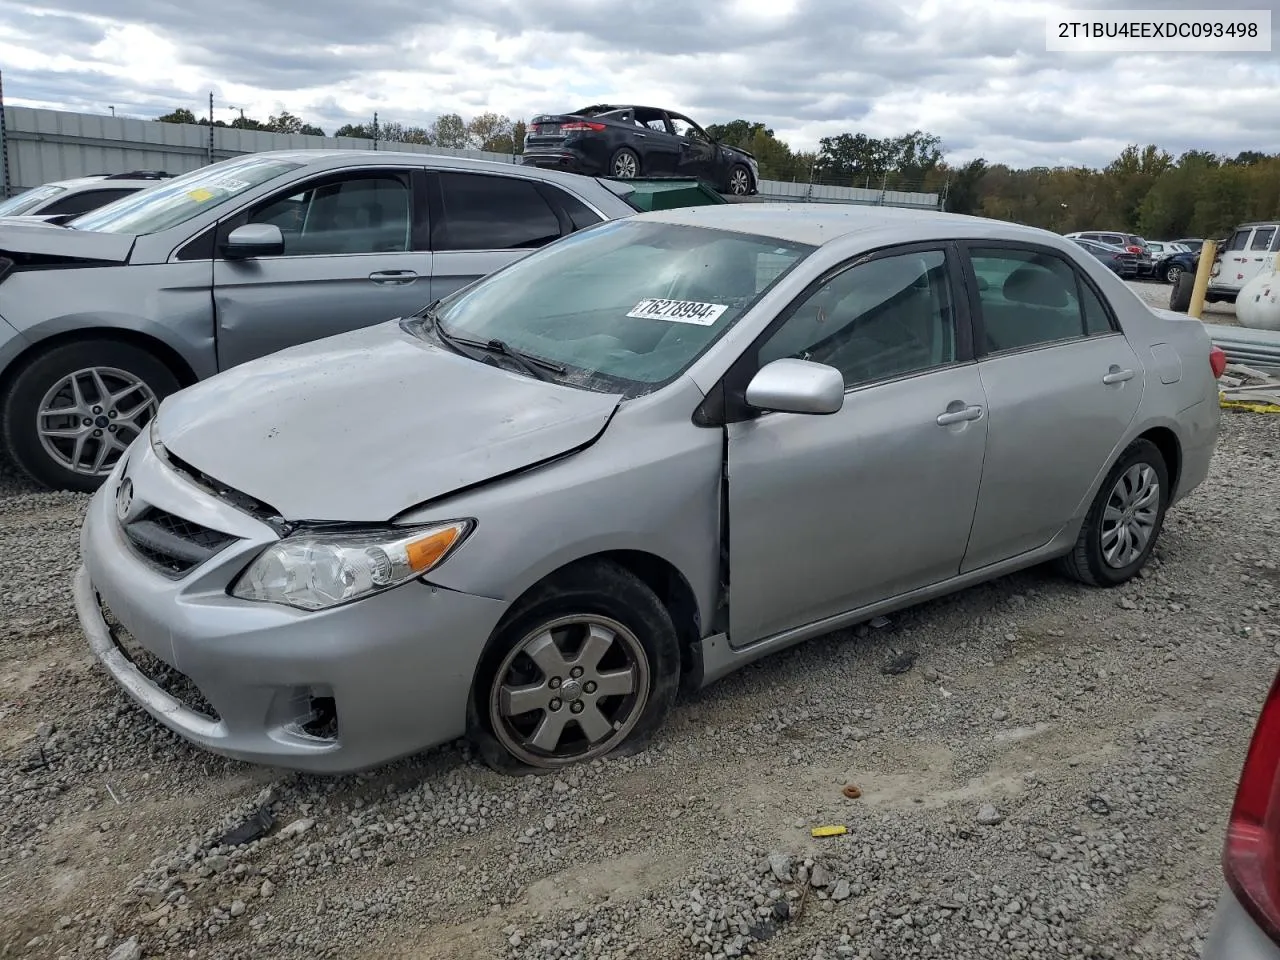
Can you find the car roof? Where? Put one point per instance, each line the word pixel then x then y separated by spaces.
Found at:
pixel 816 224
pixel 337 159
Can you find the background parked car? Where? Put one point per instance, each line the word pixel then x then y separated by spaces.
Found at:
pixel 1169 267
pixel 1117 259
pixel 242 258
pixel 1241 258
pixel 1126 241
pixel 1194 244
pixel 64 200
pixel 632 141
pixel 1163 248
pixel 1246 925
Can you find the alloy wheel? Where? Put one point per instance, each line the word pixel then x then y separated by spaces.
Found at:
pixel 1129 518
pixel 739 182
pixel 87 419
pixel 570 690
pixel 624 166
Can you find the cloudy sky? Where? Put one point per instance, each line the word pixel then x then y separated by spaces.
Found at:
pixel 975 72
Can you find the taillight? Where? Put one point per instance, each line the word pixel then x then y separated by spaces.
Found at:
pixel 1249 855
pixel 581 126
pixel 1134 249
pixel 1217 361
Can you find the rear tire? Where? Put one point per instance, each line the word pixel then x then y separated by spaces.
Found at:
pixel 625 164
pixel 68 414
pixel 1180 295
pixel 595 599
pixel 1130 504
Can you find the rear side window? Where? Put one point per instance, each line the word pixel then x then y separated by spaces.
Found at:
pixel 1262 238
pixel 1030 298
pixel 580 215
pixel 87 200
pixel 489 212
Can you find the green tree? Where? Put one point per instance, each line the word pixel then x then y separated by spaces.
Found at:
pixel 181 115
pixel 356 130
pixel 450 130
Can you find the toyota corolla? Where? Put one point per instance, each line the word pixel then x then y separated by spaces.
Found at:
pixel 646 455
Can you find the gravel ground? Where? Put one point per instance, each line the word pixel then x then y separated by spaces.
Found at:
pixel 1049 779
pixel 1156 294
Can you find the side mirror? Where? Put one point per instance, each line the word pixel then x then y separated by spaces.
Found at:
pixel 253 240
pixel 797 386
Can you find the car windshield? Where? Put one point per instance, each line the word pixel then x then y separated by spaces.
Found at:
pixel 20 204
pixel 180 199
pixel 624 307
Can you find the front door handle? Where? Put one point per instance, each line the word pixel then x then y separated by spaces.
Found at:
pixel 1116 375
pixel 394 276
pixel 959 415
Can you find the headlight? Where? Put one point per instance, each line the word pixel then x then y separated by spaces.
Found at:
pixel 318 570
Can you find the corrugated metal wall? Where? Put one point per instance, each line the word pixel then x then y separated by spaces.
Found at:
pixel 47 145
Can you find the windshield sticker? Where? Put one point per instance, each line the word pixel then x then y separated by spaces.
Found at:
pixel 227 183
pixel 200 195
pixel 678 311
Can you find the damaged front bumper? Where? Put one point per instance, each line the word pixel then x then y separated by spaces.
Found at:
pixel 332 691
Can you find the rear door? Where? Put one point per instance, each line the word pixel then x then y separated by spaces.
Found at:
pixel 1062 386
pixel 483 221
pixel 355 255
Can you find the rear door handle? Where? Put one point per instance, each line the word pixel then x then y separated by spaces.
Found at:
pixel 394 276
pixel 1116 375
pixel 959 416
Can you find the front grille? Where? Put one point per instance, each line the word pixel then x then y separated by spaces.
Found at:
pixel 171 545
pixel 169 679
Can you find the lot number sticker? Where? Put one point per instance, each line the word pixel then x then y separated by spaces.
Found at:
pixel 678 311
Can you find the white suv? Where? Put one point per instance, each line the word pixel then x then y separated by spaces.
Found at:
pixel 1251 247
pixel 64 200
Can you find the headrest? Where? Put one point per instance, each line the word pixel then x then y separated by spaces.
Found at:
pixel 1035 286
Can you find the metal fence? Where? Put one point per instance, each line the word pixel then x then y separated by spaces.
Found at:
pixel 44 145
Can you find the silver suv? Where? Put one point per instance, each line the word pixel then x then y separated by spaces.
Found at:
pixel 64 200
pixel 101 320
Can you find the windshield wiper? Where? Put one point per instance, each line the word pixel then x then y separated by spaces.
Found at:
pixel 534 366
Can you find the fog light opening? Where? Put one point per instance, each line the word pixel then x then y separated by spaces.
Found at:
pixel 321 721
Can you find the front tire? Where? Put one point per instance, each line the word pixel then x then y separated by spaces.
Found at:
pixel 625 164
pixel 740 181
pixel 1180 295
pixel 587 665
pixel 1171 273
pixel 71 412
pixel 1123 524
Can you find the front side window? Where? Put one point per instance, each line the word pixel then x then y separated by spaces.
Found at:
pixel 367 213
pixel 686 128
pixel 182 198
pixel 887 318
pixel 26 201
pixel 489 212
pixel 626 306
pixel 1030 298
pixel 1239 240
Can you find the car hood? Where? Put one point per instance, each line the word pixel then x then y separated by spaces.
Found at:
pixel 362 426
pixel 41 240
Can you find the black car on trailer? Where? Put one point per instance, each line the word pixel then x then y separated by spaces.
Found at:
pixel 631 141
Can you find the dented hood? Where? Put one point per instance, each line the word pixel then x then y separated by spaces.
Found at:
pixel 39 239
pixel 362 426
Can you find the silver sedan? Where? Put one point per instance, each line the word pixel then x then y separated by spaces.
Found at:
pixel 642 457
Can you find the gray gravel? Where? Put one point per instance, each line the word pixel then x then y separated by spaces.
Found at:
pixel 1049 778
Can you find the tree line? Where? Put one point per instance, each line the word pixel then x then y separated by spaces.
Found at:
pixel 1145 189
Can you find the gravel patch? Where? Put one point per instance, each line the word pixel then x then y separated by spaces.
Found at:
pixel 1044 772
pixel 1156 294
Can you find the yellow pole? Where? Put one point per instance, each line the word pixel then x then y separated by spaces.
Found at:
pixel 1207 253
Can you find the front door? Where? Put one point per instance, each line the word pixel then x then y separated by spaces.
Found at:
pixel 697 153
pixel 350 260
pixel 480 222
pixel 830 513
pixel 1062 386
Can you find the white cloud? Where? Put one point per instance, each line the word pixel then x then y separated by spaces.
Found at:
pixel 973 71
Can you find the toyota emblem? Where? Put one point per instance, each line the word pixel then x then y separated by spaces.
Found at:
pixel 124 499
